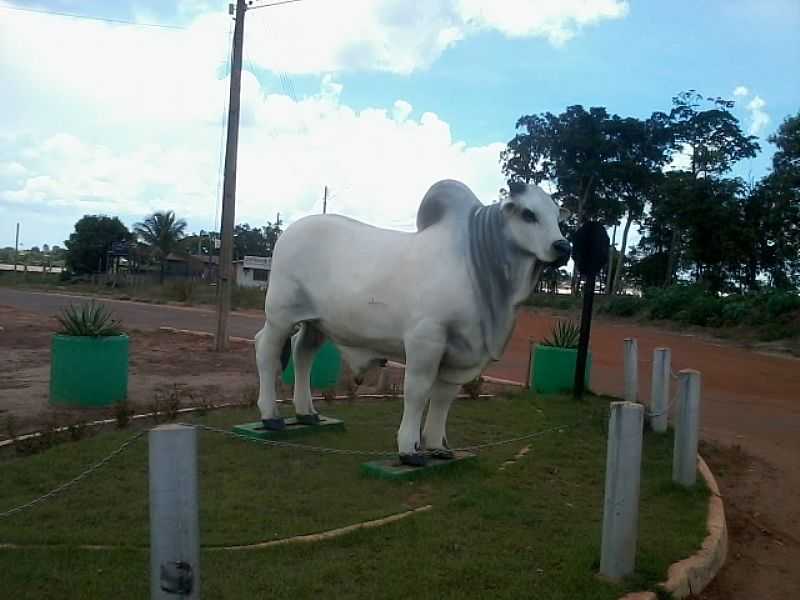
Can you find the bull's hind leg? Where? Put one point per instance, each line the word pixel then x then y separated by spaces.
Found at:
pixel 434 436
pixel 269 343
pixel 304 346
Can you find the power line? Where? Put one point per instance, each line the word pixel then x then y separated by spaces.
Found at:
pixel 90 17
pixel 273 4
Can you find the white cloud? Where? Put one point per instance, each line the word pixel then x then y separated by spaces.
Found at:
pixel 741 90
pixel 378 163
pixel 401 36
pixel 758 116
pixel 125 120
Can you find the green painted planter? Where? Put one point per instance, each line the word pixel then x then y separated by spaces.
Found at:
pixel 553 369
pixel 88 371
pixel 325 371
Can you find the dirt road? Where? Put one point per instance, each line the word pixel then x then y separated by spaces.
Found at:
pixel 750 412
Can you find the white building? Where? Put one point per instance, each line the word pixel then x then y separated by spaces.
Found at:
pixel 253 271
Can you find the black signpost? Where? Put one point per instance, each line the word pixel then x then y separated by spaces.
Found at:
pixel 590 253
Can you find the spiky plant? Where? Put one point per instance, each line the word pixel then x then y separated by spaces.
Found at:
pixel 565 334
pixel 88 320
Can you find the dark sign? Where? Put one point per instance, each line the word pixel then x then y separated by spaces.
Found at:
pixel 590 248
pixel 119 248
pixel 590 253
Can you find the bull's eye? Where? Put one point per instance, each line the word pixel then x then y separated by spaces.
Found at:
pixel 528 216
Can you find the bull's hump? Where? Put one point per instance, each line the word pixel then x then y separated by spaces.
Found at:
pixel 444 199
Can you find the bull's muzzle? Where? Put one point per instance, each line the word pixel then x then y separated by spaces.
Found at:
pixel 562 249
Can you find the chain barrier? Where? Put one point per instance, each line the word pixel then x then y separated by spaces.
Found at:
pixel 65 486
pixel 369 453
pixel 273 443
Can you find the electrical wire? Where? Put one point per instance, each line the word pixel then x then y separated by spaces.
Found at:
pixel 90 17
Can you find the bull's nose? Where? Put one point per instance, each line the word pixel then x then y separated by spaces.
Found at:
pixel 562 248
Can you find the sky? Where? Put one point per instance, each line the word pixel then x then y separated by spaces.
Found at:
pixel 377 99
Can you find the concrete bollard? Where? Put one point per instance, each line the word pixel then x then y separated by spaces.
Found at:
pixel 631 370
pixel 174 521
pixel 687 428
pixel 621 505
pixel 659 389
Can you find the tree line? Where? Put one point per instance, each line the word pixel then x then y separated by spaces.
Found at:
pixel 669 175
pixel 154 240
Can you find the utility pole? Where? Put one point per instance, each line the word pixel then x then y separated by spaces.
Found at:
pixel 229 183
pixel 325 201
pixel 16 249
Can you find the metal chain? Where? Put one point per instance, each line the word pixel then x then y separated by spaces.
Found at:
pixel 383 453
pixel 65 486
pixel 292 445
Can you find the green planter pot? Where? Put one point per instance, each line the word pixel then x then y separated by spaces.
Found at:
pixel 325 371
pixel 88 371
pixel 553 369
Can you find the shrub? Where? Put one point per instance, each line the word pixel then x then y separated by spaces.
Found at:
pixel 244 297
pixel 780 303
pixel 623 306
pixel 180 290
pixel 88 320
pixel 565 334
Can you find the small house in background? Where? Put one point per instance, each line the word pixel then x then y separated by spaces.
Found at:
pixel 253 271
pixel 192 266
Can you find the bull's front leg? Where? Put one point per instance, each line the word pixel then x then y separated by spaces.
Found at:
pixel 434 436
pixel 424 348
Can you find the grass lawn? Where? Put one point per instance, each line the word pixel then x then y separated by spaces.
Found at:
pixel 530 531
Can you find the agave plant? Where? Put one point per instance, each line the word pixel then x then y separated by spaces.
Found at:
pixel 565 334
pixel 88 320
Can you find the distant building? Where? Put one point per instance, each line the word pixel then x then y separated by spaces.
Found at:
pixel 253 271
pixel 192 266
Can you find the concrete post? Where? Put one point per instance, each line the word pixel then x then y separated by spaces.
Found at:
pixel 687 428
pixel 621 506
pixel 659 389
pixel 631 370
pixel 174 522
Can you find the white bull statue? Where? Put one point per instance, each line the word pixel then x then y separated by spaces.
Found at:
pixel 442 300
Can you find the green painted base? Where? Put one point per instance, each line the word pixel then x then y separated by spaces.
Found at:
pixel 391 468
pixel 293 429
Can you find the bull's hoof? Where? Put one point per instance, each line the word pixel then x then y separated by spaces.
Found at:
pixel 417 459
pixel 274 424
pixel 441 453
pixel 308 419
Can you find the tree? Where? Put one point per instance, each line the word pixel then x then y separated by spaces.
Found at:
pixel 162 231
pixel 255 241
pixel 712 139
pixel 641 148
pixel 570 150
pixel 89 244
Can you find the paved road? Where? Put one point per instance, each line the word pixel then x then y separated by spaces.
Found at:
pixel 137 315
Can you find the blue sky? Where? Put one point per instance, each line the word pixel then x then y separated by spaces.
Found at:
pixel 385 98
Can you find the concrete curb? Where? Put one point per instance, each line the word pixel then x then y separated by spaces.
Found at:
pixel 693 574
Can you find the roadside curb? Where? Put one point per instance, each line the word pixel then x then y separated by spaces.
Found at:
pixel 692 575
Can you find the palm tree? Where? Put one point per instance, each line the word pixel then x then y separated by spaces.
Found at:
pixel 162 232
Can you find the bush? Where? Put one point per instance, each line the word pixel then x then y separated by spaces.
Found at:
pixel 565 334
pixel 88 320
pixel 180 290
pixel 781 303
pixel 245 297
pixel 623 306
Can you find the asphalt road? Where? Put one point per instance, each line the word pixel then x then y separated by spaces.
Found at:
pixel 137 315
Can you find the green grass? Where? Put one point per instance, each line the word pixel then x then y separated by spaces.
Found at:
pixel 530 531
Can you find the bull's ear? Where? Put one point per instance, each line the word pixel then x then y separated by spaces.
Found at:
pixel 516 188
pixel 563 214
